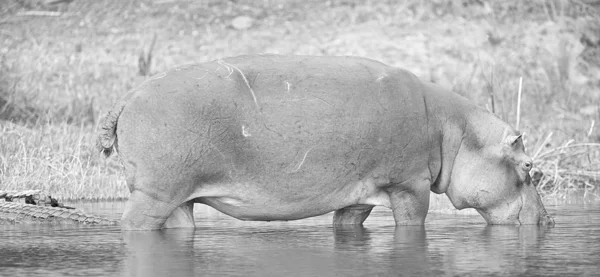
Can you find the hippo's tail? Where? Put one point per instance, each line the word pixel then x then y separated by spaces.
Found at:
pixel 107 138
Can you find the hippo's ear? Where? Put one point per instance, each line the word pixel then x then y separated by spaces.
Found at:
pixel 511 140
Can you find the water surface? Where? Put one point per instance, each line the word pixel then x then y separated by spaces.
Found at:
pixel 449 244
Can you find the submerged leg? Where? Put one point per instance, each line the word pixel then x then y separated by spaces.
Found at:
pixel 352 215
pixel 143 212
pixel 410 205
pixel 182 216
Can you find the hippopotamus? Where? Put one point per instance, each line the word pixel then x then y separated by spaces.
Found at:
pixel 272 137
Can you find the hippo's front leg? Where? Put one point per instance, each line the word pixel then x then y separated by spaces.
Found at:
pixel 352 215
pixel 410 203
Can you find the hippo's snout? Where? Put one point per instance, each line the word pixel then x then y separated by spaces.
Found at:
pixel 546 220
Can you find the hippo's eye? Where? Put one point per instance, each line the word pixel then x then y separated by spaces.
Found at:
pixel 527 165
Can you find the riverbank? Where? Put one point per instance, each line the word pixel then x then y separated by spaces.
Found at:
pixel 62 66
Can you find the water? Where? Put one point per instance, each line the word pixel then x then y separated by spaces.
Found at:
pixel 448 245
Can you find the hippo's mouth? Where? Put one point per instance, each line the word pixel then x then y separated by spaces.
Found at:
pixel 531 210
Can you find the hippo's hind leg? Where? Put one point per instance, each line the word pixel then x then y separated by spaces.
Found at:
pixel 143 212
pixel 352 215
pixel 182 216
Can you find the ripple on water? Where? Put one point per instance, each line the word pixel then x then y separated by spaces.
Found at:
pixel 449 244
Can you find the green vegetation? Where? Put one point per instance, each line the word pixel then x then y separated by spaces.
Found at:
pixel 63 65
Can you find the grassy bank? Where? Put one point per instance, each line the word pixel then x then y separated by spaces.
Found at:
pixel 63 65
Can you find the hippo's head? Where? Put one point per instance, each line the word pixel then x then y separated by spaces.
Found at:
pixel 491 174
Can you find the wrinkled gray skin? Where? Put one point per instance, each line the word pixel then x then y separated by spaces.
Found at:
pixel 272 137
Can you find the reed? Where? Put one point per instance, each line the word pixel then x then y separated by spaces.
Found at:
pixel 571 166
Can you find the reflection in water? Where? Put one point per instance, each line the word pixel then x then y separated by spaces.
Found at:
pixel 503 242
pixel 355 251
pixel 159 253
pixel 448 245
pixel 349 236
pixel 411 251
pixel 492 249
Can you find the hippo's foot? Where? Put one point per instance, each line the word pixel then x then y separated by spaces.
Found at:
pixel 143 212
pixel 352 215
pixel 410 207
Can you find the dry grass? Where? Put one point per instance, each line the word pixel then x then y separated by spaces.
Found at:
pixel 572 166
pixel 58 159
pixel 61 71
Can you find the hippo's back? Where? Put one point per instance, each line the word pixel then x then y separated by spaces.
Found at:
pixel 277 120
